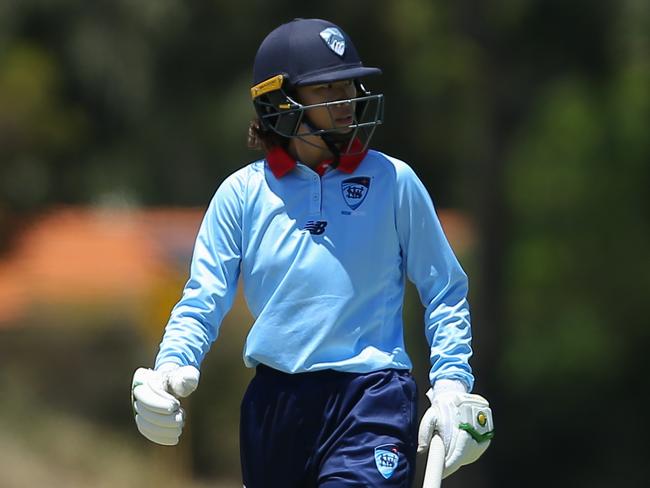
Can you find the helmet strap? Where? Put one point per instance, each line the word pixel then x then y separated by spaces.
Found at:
pixel 334 149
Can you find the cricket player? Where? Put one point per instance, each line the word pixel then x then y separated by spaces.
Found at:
pixel 323 232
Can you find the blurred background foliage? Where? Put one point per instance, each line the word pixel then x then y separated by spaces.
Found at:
pixel 527 117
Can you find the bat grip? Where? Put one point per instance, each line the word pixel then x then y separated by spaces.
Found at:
pixel 435 463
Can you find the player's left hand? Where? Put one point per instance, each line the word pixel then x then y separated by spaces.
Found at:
pixel 463 420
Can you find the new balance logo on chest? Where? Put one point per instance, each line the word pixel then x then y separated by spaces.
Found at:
pixel 315 227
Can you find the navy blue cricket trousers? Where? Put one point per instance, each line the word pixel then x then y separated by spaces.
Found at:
pixel 329 429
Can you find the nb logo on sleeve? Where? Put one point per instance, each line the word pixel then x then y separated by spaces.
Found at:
pixel 315 227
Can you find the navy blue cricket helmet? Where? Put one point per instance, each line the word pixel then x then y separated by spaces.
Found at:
pixel 310 52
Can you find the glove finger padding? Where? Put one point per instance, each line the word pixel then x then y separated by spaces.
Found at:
pixel 158 414
pixel 160 435
pixel 175 420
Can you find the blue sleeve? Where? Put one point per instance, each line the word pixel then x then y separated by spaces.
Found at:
pixel 214 271
pixel 432 266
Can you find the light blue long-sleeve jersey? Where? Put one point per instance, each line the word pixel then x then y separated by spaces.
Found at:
pixel 324 261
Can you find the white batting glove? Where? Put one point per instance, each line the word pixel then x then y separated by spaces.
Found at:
pixel 154 396
pixel 463 421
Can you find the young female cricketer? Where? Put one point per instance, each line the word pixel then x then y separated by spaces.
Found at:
pixel 323 232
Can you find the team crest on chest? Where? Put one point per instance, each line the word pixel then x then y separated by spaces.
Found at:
pixel 355 190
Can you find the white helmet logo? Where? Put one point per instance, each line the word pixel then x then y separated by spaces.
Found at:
pixel 334 40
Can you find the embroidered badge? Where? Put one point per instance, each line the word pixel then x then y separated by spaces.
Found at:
pixel 334 40
pixel 355 190
pixel 386 459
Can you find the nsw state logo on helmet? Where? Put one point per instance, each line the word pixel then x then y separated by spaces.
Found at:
pixel 312 52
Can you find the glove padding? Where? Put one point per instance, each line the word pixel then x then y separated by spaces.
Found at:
pixel 463 421
pixel 154 396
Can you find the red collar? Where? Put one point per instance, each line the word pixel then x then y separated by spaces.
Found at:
pixel 281 162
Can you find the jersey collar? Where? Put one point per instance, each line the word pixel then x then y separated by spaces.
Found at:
pixel 281 162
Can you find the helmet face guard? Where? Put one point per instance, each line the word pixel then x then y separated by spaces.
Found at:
pixel 281 113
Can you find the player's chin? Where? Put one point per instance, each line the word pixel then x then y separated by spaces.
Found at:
pixel 343 127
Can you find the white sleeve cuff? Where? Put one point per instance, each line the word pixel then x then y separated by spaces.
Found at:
pixel 167 367
pixel 445 386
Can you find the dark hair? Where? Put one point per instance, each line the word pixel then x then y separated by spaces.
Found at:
pixel 263 139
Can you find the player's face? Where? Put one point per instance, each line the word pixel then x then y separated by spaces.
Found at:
pixel 336 115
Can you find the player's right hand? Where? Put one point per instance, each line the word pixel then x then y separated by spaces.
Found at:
pixel 463 421
pixel 154 397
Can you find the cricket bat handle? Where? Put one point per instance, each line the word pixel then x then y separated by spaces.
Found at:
pixel 435 463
